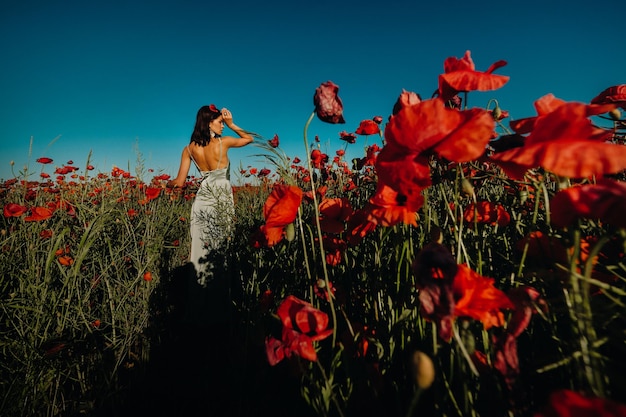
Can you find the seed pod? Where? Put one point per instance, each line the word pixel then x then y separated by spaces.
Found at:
pixel 423 369
pixel 290 232
pixel 467 186
pixel 615 114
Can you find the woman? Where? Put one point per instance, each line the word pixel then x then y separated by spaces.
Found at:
pixel 213 208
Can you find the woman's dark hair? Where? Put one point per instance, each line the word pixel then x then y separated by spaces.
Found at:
pixel 201 133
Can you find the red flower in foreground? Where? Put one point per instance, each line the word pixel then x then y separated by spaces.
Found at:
pixel 334 213
pixel 605 200
pixel 38 214
pixel 328 105
pixel 615 94
pixel 280 209
pixel 406 99
pixel 44 160
pixel 303 324
pixel 558 136
pixel 567 403
pixel 368 127
pixel 14 210
pixel 152 193
pixel 461 75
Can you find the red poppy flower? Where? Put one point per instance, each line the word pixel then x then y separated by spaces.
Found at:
pixel 14 210
pixel 66 260
pixel 152 193
pixel 328 105
pixel 406 99
pixel 214 108
pixel 264 172
pixel 388 207
pixel 274 141
pixel 615 94
pixel 461 75
pixel 347 137
pixel 567 403
pixel 556 142
pixel 147 276
pixel 334 213
pixel 458 136
pixel 318 158
pixel 605 200
pixel 405 172
pixel 46 234
pixel 280 209
pixel 303 324
pixel 38 214
pixel 367 127
pixel 448 290
pixel 487 212
pixel 334 248
pixel 44 160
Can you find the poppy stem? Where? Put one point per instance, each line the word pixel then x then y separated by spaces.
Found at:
pixel 319 227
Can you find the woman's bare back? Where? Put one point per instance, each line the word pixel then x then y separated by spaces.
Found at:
pixel 210 157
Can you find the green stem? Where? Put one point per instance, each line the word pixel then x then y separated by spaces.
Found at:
pixel 319 228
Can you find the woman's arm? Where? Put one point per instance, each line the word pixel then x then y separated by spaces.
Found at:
pixel 246 137
pixel 183 170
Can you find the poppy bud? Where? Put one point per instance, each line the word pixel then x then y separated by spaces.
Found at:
pixel 290 232
pixel 467 187
pixel 422 369
pixel 497 112
pixel 523 196
pixel 615 114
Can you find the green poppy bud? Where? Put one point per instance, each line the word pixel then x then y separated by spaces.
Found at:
pixel 290 232
pixel 423 369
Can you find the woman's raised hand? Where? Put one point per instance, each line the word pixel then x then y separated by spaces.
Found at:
pixel 227 116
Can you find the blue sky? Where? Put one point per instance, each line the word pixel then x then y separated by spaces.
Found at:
pixel 124 79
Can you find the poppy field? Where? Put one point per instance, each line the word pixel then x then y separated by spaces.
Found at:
pixel 465 265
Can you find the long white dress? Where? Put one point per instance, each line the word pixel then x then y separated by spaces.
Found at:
pixel 211 220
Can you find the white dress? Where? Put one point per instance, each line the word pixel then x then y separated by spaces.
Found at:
pixel 211 220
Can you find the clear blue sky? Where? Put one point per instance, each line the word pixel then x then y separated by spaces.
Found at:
pixel 121 77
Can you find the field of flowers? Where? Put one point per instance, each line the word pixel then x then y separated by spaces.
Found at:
pixel 470 266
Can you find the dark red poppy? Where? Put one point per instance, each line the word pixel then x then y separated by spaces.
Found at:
pixel 368 127
pixel 328 105
pixel 615 94
pixel 568 403
pixel 44 160
pixel 334 213
pixel 38 214
pixel 461 75
pixel 605 200
pixel 274 141
pixel 264 172
pixel 347 137
pixel 377 119
pixel 14 210
pixel 303 324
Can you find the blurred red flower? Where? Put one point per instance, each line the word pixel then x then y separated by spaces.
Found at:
pixel 14 210
pixel 44 160
pixel 567 403
pixel 274 141
pixel 605 200
pixel 66 260
pixel 406 99
pixel 368 127
pixel 147 276
pixel 334 213
pixel 38 214
pixel 388 207
pixel 615 94
pixel 347 137
pixel 303 324
pixel 487 212
pixel 328 105
pixel 461 75
pixel 152 192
